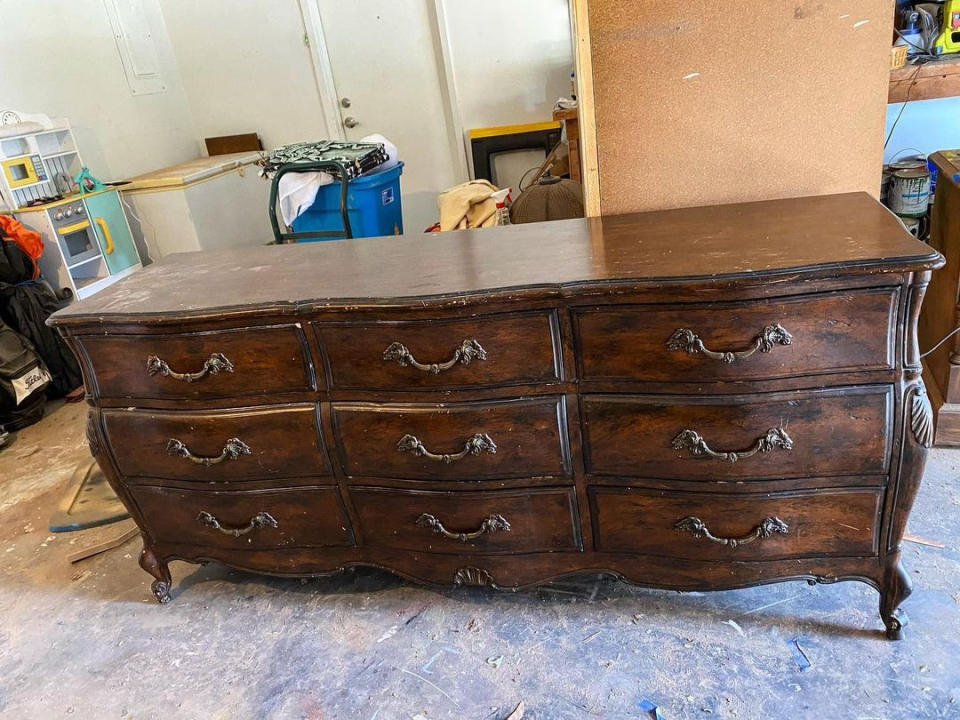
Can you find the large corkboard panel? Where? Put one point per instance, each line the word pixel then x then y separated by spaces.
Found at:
pixel 720 102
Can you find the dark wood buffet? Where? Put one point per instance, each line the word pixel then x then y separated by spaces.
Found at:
pixel 690 399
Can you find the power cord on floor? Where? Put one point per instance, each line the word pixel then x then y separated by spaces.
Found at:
pixel 945 338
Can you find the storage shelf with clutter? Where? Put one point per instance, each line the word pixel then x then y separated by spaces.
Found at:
pixel 925 60
pixel 87 243
pixel 925 81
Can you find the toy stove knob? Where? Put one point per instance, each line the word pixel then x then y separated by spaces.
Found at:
pixel 68 212
pixel 80 210
pixel 58 215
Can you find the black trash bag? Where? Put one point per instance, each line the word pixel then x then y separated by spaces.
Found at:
pixel 15 265
pixel 26 306
pixel 23 380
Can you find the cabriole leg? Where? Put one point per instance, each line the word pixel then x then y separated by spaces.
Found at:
pixel 158 569
pixel 896 588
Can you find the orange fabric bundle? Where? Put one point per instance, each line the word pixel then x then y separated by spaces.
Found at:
pixel 28 240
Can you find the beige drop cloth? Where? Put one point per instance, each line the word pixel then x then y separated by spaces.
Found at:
pixel 467 206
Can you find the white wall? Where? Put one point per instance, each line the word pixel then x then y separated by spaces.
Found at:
pixel 925 127
pixel 511 60
pixel 59 57
pixel 245 68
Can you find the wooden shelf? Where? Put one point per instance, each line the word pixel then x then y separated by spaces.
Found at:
pixel 934 79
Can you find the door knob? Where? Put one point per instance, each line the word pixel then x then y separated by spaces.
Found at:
pixel 350 122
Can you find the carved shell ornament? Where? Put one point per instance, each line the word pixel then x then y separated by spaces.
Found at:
pixel 921 416
pixel 473 577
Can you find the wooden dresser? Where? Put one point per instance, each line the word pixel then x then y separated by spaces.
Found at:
pixel 941 311
pixel 692 399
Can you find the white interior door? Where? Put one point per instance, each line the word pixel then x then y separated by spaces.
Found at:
pixel 388 76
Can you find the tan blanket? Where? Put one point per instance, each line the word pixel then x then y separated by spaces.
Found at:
pixel 467 206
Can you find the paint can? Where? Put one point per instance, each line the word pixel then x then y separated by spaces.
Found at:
pixel 908 163
pixel 885 184
pixel 909 192
pixel 912 225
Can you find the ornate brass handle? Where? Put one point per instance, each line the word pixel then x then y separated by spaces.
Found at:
pixel 473 446
pixel 491 524
pixel 684 339
pixel 468 350
pixel 257 521
pixel 692 440
pixel 696 527
pixel 216 363
pixel 234 448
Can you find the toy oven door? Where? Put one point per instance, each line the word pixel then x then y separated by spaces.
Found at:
pixel 78 243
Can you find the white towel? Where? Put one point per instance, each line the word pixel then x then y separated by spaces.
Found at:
pixel 297 192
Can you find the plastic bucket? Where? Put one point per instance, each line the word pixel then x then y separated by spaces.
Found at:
pixel 373 206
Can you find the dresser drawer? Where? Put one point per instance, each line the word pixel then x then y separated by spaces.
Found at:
pixel 245 519
pixel 755 340
pixel 220 445
pixel 224 363
pixel 415 354
pixel 454 441
pixel 842 431
pixel 506 521
pixel 710 526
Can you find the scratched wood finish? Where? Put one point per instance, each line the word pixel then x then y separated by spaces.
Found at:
pixel 539 520
pixel 577 393
pixel 283 442
pixel 849 233
pixel 831 332
pixel 305 517
pixel 843 431
pixel 516 349
pixel 529 436
pixel 121 363
pixel 824 522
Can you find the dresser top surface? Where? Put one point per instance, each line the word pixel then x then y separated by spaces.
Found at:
pixel 850 233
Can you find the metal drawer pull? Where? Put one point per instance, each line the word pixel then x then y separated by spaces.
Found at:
pixel 684 339
pixel 257 521
pixel 491 524
pixel 468 350
pixel 473 446
pixel 696 527
pixel 692 440
pixel 216 363
pixel 234 448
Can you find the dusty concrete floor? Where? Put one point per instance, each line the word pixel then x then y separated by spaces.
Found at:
pixel 87 641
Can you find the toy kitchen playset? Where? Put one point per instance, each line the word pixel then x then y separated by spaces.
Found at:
pixel 87 244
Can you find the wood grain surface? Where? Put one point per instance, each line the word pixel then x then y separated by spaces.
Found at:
pixel 751 240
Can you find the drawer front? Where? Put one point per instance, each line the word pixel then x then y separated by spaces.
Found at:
pixel 710 526
pixel 455 441
pixel 687 343
pixel 498 521
pixel 247 519
pixel 229 363
pixel 224 445
pixel 416 354
pixel 844 431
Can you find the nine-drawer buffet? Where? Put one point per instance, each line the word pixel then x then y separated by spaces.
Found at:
pixel 691 399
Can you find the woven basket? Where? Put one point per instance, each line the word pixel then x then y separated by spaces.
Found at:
pixel 898 56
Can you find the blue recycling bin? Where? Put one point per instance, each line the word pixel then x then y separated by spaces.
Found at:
pixel 373 206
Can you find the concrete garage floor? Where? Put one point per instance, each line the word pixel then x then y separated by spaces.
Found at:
pixel 88 641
